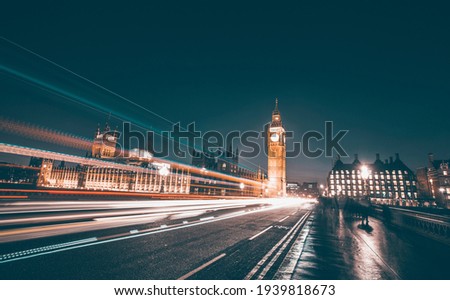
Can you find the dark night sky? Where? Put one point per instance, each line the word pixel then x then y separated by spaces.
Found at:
pixel 380 69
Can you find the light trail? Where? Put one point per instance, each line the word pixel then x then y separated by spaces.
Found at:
pixel 66 94
pixel 76 222
pixel 151 231
pixel 33 152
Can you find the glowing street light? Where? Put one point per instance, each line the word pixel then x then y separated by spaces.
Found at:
pixel 242 185
pixel 364 172
pixel 164 171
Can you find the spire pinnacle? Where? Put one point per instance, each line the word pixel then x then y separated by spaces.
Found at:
pixel 276 105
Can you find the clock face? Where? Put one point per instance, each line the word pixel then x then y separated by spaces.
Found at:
pixel 274 137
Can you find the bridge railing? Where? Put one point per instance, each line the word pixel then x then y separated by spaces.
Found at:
pixel 427 224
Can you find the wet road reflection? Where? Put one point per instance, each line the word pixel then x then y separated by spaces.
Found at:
pixel 337 247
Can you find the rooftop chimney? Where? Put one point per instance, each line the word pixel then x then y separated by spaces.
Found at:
pixel 386 161
pixel 397 156
pixel 391 159
pixel 378 156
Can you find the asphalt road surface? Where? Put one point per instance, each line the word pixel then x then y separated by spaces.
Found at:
pixel 229 239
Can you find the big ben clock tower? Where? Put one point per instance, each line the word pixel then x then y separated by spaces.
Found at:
pixel 276 143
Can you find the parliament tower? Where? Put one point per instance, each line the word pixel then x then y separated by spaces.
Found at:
pixel 276 143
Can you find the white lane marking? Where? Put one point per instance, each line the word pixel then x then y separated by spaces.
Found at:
pixel 284 219
pixel 42 250
pixel 201 267
pixel 207 218
pixel 163 226
pixel 281 250
pixel 269 254
pixel 141 234
pixel 258 234
pixel 289 263
pixel 185 222
pixel 134 231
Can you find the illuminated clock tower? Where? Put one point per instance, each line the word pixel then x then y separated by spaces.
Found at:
pixel 276 143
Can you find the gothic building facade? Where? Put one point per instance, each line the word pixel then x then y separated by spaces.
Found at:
pixel 434 181
pixel 276 152
pixel 388 182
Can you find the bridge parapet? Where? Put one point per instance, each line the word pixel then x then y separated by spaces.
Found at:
pixel 430 225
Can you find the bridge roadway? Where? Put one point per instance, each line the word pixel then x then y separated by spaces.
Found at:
pixel 177 240
pixel 198 239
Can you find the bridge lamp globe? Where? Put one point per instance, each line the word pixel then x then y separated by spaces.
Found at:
pixel 242 186
pixel 364 172
pixel 442 190
pixel 164 171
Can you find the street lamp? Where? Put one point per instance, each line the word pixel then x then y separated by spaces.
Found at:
pixel 164 171
pixel 444 194
pixel 242 186
pixel 364 172
pixel 365 175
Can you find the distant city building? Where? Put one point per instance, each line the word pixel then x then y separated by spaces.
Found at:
pixel 226 162
pixel 388 181
pixel 292 189
pixel 309 189
pixel 24 176
pixel 434 181
pixel 221 161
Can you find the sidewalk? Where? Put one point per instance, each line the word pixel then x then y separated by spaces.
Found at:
pixel 333 247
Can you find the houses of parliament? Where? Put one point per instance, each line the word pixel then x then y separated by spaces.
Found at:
pixel 139 171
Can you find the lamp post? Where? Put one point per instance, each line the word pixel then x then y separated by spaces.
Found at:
pixel 444 195
pixel 365 209
pixel 365 176
pixel 242 186
pixel 164 171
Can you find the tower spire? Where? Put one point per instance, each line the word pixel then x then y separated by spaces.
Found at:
pixel 107 128
pixel 276 106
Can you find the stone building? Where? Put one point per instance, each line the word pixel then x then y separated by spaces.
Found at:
pixel 388 182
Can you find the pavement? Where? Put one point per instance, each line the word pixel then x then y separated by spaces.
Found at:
pixel 332 246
